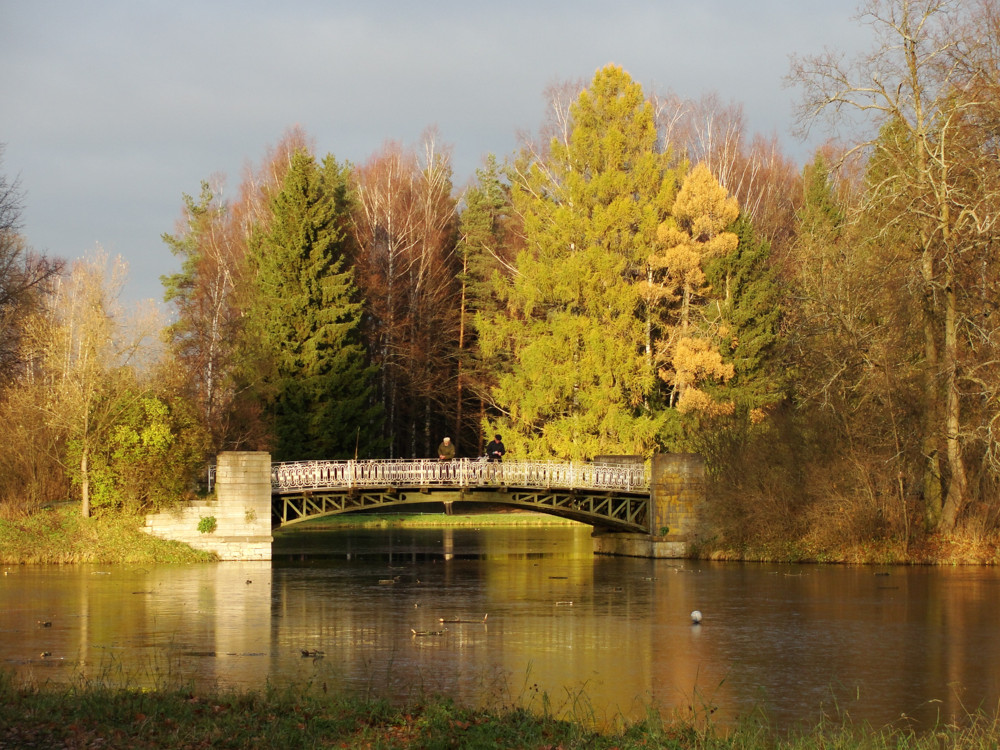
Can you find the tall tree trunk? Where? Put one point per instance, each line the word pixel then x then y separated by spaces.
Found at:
pixel 957 482
pixel 932 482
pixel 479 429
pixel 461 351
pixel 391 424
pixel 649 322
pixel 84 484
pixel 427 427
pixel 389 360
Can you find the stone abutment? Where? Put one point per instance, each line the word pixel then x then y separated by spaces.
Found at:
pixel 236 525
pixel 677 493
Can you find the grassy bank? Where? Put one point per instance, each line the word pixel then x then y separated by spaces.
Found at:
pixel 96 716
pixel 61 535
pixel 952 549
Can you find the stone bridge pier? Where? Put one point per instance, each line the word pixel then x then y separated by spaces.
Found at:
pixel 677 492
pixel 241 510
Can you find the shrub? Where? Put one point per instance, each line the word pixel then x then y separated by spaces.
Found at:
pixel 207 524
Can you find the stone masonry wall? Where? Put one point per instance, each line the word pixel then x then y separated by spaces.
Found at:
pixel 241 508
pixel 678 489
pixel 676 494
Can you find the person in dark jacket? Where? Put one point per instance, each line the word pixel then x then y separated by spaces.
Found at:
pixel 495 449
pixel 494 455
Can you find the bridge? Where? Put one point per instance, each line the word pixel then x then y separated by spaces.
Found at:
pixel 640 509
pixel 609 495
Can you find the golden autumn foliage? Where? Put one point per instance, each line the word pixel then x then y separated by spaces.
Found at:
pixel 696 230
pixel 694 233
pixel 696 360
pixel 704 209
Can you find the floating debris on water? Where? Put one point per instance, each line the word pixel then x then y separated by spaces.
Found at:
pixel 460 619
pixel 428 632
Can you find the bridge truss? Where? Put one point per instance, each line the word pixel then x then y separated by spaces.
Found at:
pixel 606 495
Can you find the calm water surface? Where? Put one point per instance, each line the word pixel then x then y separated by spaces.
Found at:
pixel 598 637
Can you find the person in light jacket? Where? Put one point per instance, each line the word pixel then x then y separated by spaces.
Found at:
pixel 446 454
pixel 446 451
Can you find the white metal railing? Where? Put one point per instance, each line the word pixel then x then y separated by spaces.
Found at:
pixel 463 472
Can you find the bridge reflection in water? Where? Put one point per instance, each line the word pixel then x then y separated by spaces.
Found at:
pixel 613 496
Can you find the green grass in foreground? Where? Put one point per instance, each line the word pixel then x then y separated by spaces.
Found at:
pixel 61 535
pixel 96 716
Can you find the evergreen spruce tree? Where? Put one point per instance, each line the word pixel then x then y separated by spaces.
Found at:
pixel 304 313
pixel 820 218
pixel 485 249
pixel 747 302
pixel 484 237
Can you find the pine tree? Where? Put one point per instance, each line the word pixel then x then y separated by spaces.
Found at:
pixel 305 313
pixel 484 237
pixel 820 216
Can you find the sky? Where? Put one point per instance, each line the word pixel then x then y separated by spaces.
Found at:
pixel 112 110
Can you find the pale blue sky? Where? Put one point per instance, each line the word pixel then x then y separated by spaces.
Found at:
pixel 111 109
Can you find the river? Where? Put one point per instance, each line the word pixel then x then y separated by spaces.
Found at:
pixel 545 624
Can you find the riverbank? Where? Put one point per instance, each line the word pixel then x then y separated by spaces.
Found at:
pixel 952 549
pixel 94 715
pixel 59 535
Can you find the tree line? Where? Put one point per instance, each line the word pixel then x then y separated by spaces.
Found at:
pixel 643 276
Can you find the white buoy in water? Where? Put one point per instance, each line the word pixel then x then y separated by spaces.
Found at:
pixel 696 617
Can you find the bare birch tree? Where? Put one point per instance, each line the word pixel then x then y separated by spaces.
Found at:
pixel 407 271
pixel 925 91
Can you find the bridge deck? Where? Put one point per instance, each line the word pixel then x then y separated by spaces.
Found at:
pixel 296 476
pixel 603 494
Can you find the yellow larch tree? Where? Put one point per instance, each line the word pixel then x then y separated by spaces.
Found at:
pixel 694 233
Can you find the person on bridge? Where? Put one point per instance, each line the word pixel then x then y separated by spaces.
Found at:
pixel 495 449
pixel 446 451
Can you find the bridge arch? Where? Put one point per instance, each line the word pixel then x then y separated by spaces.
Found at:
pixel 606 511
